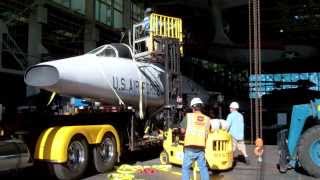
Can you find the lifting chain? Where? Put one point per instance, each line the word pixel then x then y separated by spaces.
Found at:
pixel 255 69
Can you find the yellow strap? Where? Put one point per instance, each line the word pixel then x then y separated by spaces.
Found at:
pixel 118 176
pixel 129 169
pixel 176 173
pixel 162 167
pixel 141 115
pixel 126 171
pixel 51 98
pixel 121 102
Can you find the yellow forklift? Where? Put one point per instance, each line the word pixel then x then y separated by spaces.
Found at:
pixel 218 150
pixel 166 31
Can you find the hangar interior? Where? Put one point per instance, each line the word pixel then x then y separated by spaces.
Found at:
pixel 216 43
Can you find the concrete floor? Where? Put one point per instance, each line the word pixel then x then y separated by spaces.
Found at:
pixel 265 171
pixel 241 171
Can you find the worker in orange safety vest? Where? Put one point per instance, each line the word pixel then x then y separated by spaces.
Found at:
pixel 196 127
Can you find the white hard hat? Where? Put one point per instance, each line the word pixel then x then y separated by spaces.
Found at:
pixel 148 10
pixel 195 101
pixel 234 105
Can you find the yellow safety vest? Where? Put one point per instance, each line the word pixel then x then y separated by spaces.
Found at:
pixel 197 129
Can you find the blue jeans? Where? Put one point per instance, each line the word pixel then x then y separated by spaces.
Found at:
pixel 189 156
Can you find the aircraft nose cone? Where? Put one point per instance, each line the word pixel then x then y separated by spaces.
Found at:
pixel 41 76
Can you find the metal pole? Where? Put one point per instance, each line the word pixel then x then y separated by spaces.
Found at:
pixel 166 59
pixel 132 132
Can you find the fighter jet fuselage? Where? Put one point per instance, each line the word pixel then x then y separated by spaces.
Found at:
pixel 107 74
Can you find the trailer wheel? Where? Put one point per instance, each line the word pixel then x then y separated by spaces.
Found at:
pixel 309 151
pixel 76 163
pixel 105 154
pixel 164 157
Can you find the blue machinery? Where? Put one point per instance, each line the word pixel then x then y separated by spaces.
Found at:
pixel 300 144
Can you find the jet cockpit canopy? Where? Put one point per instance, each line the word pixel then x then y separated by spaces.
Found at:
pixel 118 50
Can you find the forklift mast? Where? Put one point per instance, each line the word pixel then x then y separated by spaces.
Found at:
pixel 162 44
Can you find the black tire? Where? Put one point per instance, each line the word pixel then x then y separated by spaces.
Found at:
pixel 283 151
pixel 164 158
pixel 105 154
pixel 282 165
pixel 76 163
pixel 307 141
